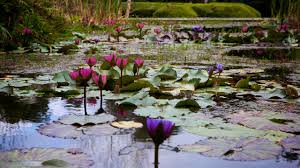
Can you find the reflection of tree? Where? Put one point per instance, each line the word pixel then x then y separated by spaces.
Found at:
pixel 13 110
pixel 105 152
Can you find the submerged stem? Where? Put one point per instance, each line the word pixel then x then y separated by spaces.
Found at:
pixel 84 98
pixel 156 163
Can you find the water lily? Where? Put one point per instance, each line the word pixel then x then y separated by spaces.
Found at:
pixel 138 63
pixel 121 63
pixel 140 26
pixel 77 41
pixel 159 130
pixel 82 75
pixel 27 31
pixel 119 29
pixel 198 29
pixel 74 75
pixel 91 61
pixel 284 27
pixel 100 81
pixel 245 28
pixel 111 59
pixel 210 71
pixel 219 68
pixel 96 39
pixel 157 30
pixel 110 22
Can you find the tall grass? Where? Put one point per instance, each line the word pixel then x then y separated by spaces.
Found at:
pixel 88 11
pixel 285 9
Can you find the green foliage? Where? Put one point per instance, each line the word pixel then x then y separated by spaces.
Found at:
pixel 175 11
pixel 158 9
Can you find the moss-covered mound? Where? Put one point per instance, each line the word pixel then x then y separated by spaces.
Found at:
pixel 157 9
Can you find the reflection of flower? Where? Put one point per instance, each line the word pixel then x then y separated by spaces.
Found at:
pixel 159 130
pixel 122 112
pixel 92 100
pixel 91 61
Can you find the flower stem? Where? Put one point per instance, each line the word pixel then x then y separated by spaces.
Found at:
pixel 84 98
pixel 101 98
pixel 156 156
pixel 121 79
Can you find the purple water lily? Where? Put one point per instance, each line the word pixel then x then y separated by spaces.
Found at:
pixel 159 130
pixel 198 29
pixel 210 71
pixel 219 68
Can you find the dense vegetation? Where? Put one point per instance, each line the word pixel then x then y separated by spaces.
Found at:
pixel 156 9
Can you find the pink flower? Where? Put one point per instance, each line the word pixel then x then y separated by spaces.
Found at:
pixel 96 78
pixel 119 29
pixel 140 25
pixel 110 22
pixel 283 27
pixel 121 51
pixel 139 62
pixel 74 75
pixel 85 74
pixel 111 59
pixel 122 62
pixel 91 61
pixel 27 31
pixel 77 41
pixel 245 28
pixel 157 30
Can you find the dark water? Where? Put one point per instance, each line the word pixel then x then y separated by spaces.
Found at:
pixel 21 117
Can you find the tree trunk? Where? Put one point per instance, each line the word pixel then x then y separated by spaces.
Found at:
pixel 128 9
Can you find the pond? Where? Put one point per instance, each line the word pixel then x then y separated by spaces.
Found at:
pixel 247 119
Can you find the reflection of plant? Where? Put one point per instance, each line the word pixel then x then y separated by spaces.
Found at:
pixel 159 131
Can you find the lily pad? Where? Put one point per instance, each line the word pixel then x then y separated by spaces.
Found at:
pixel 86 120
pixel 140 99
pixel 136 86
pixel 268 120
pixel 127 124
pixel 187 103
pixel 243 83
pixel 43 157
pixel 72 132
pixel 63 77
pixel 195 76
pixel 292 144
pixel 161 111
pixel 245 149
pixel 167 73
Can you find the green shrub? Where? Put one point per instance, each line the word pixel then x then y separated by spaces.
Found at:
pixel 225 10
pixel 158 9
pixel 175 11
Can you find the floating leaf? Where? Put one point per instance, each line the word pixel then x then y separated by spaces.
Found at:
pixel 43 157
pixel 86 119
pixel 140 99
pixel 244 149
pixel 136 86
pixel 291 92
pixel 127 124
pixel 267 120
pixel 188 103
pixel 63 77
pixel 167 73
pixel 161 111
pixel 73 132
pixel 243 83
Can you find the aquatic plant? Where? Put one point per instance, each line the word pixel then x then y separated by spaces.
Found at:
pixel 140 27
pixel 111 59
pixel 77 41
pixel 138 63
pixel 100 81
pixel 245 28
pixel 121 63
pixel 118 30
pixel 157 30
pixel 91 61
pixel 82 76
pixel 159 130
pixel 198 29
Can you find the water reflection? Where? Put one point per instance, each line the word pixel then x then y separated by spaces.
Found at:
pixel 14 110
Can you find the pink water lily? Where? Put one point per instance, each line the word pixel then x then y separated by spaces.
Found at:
pixel 110 22
pixel 77 41
pixel 100 81
pixel 74 75
pixel 85 74
pixel 122 62
pixel 245 28
pixel 27 31
pixel 140 25
pixel 157 30
pixel 111 59
pixel 91 61
pixel 139 62
pixel 119 29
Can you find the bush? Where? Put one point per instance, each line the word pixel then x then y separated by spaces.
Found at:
pixel 158 9
pixel 175 11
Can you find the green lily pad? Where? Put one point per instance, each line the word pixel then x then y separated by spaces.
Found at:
pixel 291 92
pixel 140 99
pixel 43 157
pixel 187 103
pixel 195 76
pixel 86 120
pixel 136 86
pixel 268 120
pixel 161 111
pixel 63 77
pixel 245 149
pixel 167 73
pixel 243 83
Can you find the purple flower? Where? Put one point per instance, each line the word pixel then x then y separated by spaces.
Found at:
pixel 210 71
pixel 159 130
pixel 198 29
pixel 27 31
pixel 219 68
pixel 96 39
